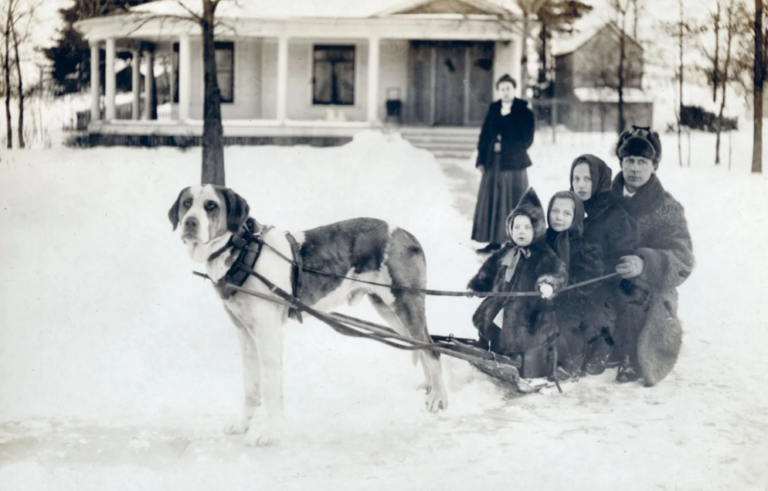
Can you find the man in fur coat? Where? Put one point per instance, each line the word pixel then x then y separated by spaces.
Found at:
pixel 528 326
pixel 648 332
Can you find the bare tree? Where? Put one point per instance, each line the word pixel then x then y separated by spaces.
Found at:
pixel 213 133
pixel 731 31
pixel 759 78
pixel 20 33
pixel 716 17
pixel 7 73
pixel 530 9
pixel 621 12
pixel 680 77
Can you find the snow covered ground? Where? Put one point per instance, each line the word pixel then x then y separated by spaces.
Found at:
pixel 117 366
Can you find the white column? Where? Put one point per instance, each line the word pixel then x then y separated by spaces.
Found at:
pixel 95 83
pixel 172 81
pixel 282 77
pixel 109 80
pixel 149 82
pixel 373 79
pixel 185 80
pixel 136 83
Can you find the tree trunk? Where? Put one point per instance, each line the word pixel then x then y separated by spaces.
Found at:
pixel 7 73
pixel 724 82
pixel 680 87
pixel 715 81
pixel 757 102
pixel 20 129
pixel 213 135
pixel 543 33
pixel 524 56
pixel 622 56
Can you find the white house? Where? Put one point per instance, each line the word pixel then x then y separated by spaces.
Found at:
pixel 310 68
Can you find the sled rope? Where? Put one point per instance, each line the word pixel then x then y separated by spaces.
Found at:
pixel 435 293
pixel 341 324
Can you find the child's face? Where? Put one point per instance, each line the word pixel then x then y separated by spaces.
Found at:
pixel 582 181
pixel 522 231
pixel 561 214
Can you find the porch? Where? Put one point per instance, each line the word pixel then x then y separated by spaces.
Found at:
pixel 302 78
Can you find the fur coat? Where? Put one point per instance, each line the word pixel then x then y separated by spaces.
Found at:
pixel 516 131
pixel 610 227
pixel 650 331
pixel 529 321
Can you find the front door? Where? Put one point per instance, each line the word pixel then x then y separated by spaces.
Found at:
pixel 451 83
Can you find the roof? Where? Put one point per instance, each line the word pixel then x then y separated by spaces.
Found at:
pixel 609 94
pixel 567 45
pixel 287 9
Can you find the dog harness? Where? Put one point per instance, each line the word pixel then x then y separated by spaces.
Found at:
pixel 250 245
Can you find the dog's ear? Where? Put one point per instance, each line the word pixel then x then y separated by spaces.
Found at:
pixel 237 209
pixel 173 213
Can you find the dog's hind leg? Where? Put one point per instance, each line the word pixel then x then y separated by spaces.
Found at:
pixel 406 316
pixel 251 379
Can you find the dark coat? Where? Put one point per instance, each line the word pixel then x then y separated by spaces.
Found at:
pixel 585 263
pixel 516 130
pixel 610 227
pixel 528 321
pixel 647 304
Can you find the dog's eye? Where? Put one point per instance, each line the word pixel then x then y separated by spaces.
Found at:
pixel 187 203
pixel 210 206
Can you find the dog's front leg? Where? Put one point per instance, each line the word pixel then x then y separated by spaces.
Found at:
pixel 251 380
pixel 268 334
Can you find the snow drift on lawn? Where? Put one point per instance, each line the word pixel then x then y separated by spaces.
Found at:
pixel 117 365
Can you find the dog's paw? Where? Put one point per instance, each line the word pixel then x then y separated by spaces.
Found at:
pixel 437 400
pixel 261 436
pixel 237 426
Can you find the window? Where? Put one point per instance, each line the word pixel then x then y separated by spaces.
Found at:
pixel 225 70
pixel 333 75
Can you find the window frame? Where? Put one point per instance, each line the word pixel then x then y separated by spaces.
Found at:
pixel 327 47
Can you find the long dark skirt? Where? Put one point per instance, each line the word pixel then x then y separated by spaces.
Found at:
pixel 499 193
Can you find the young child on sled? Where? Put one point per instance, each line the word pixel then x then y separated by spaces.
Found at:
pixel 583 261
pixel 522 326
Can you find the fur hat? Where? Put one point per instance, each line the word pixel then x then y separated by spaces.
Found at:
pixel 530 206
pixel 639 142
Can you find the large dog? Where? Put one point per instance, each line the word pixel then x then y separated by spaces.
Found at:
pixel 364 248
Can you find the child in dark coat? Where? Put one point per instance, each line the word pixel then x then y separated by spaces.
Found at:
pixel 583 261
pixel 609 226
pixel 523 325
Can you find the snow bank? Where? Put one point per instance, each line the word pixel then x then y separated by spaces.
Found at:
pixel 117 365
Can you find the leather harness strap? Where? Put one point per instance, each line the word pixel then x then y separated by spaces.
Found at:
pixel 250 245
pixel 297 269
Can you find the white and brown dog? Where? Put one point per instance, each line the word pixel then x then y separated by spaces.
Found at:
pixel 363 248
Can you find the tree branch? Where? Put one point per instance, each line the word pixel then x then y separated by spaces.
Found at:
pixel 190 11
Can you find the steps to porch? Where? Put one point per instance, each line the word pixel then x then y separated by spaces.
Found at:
pixel 444 142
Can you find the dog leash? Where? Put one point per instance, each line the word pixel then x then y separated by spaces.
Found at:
pixel 435 293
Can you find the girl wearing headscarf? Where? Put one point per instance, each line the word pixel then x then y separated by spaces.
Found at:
pixel 583 261
pixel 610 227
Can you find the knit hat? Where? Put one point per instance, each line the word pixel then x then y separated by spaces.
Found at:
pixel 599 171
pixel 640 142
pixel 530 206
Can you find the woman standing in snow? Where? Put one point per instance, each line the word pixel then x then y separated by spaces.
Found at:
pixel 502 157
pixel 649 334
pixel 610 227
